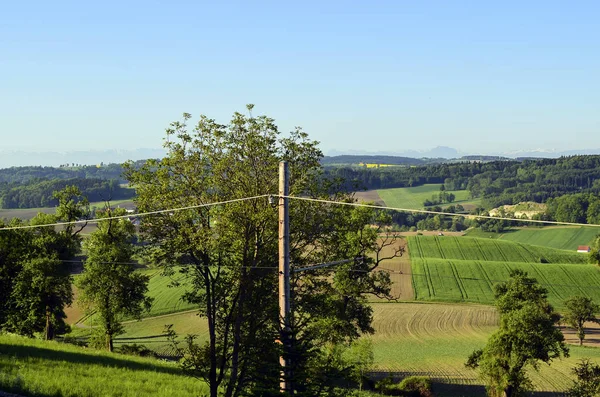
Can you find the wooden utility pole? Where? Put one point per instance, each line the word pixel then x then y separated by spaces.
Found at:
pixel 284 277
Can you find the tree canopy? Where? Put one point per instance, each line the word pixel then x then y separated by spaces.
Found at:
pixel 527 336
pixel 579 310
pixel 109 284
pixel 229 251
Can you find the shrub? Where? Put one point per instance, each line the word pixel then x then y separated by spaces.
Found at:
pixel 136 350
pixel 412 386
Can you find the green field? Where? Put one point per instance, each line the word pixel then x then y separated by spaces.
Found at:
pixel 432 339
pixel 435 339
pixel 460 269
pixel 28 213
pixel 167 298
pixel 449 247
pixel 38 368
pixel 560 237
pixel 413 197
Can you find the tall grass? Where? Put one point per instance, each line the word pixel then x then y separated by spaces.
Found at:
pixel 37 368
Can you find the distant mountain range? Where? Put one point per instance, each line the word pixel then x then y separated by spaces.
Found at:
pixel 91 157
pixel 452 153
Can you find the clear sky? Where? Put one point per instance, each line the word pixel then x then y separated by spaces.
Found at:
pixel 480 76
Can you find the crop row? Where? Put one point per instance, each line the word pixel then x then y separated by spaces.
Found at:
pixel 473 281
pixel 465 248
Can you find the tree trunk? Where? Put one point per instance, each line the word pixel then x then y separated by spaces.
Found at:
pixel 109 342
pixel 212 372
pixel 237 337
pixel 49 329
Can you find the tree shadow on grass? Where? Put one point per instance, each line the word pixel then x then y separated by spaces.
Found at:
pixel 82 358
pixel 453 390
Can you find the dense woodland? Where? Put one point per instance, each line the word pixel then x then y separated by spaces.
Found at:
pixel 569 185
pixel 496 182
pixel 37 193
pixel 32 187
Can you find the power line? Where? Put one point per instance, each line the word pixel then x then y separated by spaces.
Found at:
pixel 96 220
pixel 379 269
pixel 323 201
pixel 381 207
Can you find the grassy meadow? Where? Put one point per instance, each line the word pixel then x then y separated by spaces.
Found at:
pixel 38 368
pixel 166 295
pixel 420 338
pixel 560 237
pixel 413 197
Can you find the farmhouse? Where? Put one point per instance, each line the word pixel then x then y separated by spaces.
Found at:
pixel 583 248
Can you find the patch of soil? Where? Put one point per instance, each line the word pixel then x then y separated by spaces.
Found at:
pixel 369 195
pixel 592 335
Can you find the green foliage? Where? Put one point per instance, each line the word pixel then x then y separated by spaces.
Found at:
pixel 411 386
pixel 579 310
pixel 228 250
pixel 39 193
pixel 35 281
pixel 526 337
pixel 136 350
pixel 496 182
pixel 109 283
pixel 22 175
pixel 361 358
pixel 587 382
pixel 42 289
pixel 14 245
pixel 594 255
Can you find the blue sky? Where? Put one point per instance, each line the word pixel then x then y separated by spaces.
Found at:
pixel 371 76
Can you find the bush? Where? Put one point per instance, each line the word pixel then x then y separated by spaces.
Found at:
pixel 413 229
pixel 136 350
pixel 81 342
pixel 412 386
pixel 416 386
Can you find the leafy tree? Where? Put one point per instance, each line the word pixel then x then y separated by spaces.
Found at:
pixel 39 286
pixel 42 290
pixel 594 255
pixel 230 251
pixel 362 358
pixel 109 284
pixel 587 383
pixel 526 337
pixel 14 246
pixel 580 309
